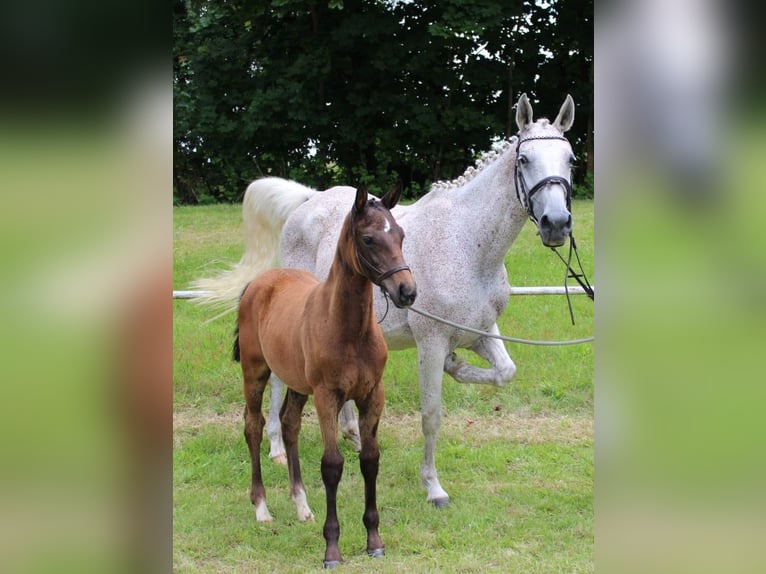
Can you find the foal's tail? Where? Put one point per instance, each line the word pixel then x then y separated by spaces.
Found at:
pixel 235 347
pixel 267 204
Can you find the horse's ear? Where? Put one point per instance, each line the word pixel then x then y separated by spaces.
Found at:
pixel 523 112
pixel 392 197
pixel 361 198
pixel 565 119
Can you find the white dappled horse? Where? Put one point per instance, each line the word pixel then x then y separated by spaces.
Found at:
pixel 457 236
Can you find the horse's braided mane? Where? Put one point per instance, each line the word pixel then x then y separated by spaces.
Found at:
pixel 486 159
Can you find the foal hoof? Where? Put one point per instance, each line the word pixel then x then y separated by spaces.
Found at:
pixel 440 502
pixel 330 564
pixel 377 553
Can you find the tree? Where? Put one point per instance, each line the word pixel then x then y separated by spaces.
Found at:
pixel 343 91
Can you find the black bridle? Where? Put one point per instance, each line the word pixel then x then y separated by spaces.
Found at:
pixel 376 275
pixel 524 194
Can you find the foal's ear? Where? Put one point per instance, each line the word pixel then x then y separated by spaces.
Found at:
pixel 523 112
pixel 361 198
pixel 392 197
pixel 565 119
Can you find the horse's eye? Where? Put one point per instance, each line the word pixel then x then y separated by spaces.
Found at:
pixel 522 159
pixel 367 240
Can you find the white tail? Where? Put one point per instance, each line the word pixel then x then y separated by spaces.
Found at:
pixel 267 204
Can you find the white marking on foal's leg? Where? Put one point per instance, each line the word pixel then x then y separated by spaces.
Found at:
pixel 302 506
pixel 261 512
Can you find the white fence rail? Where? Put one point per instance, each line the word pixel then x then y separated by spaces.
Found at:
pixel 542 290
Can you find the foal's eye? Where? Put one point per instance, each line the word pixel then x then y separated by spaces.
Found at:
pixel 367 240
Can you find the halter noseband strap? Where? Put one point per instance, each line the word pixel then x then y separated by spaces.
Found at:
pixel 523 194
pixel 377 275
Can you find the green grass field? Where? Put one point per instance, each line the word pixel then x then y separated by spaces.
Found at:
pixel 517 461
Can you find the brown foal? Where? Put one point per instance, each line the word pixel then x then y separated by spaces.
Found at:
pixel 323 339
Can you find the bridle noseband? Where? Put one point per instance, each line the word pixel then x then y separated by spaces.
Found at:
pixel 524 194
pixel 376 275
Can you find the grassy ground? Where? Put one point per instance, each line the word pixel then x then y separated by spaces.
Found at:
pixel 517 462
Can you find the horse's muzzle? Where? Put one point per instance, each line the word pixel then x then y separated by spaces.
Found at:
pixel 555 228
pixel 401 293
pixel 407 294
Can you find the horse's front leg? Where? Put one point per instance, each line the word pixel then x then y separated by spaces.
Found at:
pixel 274 428
pixel 494 351
pixel 369 459
pixel 431 355
pixel 327 407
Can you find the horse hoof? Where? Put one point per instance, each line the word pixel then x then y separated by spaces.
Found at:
pixel 356 442
pixel 330 564
pixel 279 459
pixel 440 502
pixel 377 553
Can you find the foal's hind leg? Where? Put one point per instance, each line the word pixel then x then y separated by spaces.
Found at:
pixel 369 416
pixel 291 416
pixel 255 383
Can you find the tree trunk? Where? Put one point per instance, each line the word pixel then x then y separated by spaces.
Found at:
pixel 509 131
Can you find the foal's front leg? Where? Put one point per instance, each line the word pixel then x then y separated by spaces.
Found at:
pixel 327 407
pixel 369 459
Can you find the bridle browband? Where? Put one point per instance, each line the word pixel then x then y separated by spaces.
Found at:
pixel 524 194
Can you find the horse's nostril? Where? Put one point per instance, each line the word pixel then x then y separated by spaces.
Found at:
pixel 556 221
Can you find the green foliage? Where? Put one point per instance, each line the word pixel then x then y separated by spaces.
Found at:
pixel 361 90
pixel 585 189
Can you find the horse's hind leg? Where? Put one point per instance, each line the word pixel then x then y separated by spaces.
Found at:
pixel 274 428
pixel 255 382
pixel 349 426
pixel 327 406
pixel 369 417
pixel 291 415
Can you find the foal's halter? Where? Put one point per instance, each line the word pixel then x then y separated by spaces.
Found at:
pixel 524 194
pixel 377 276
pixel 525 199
